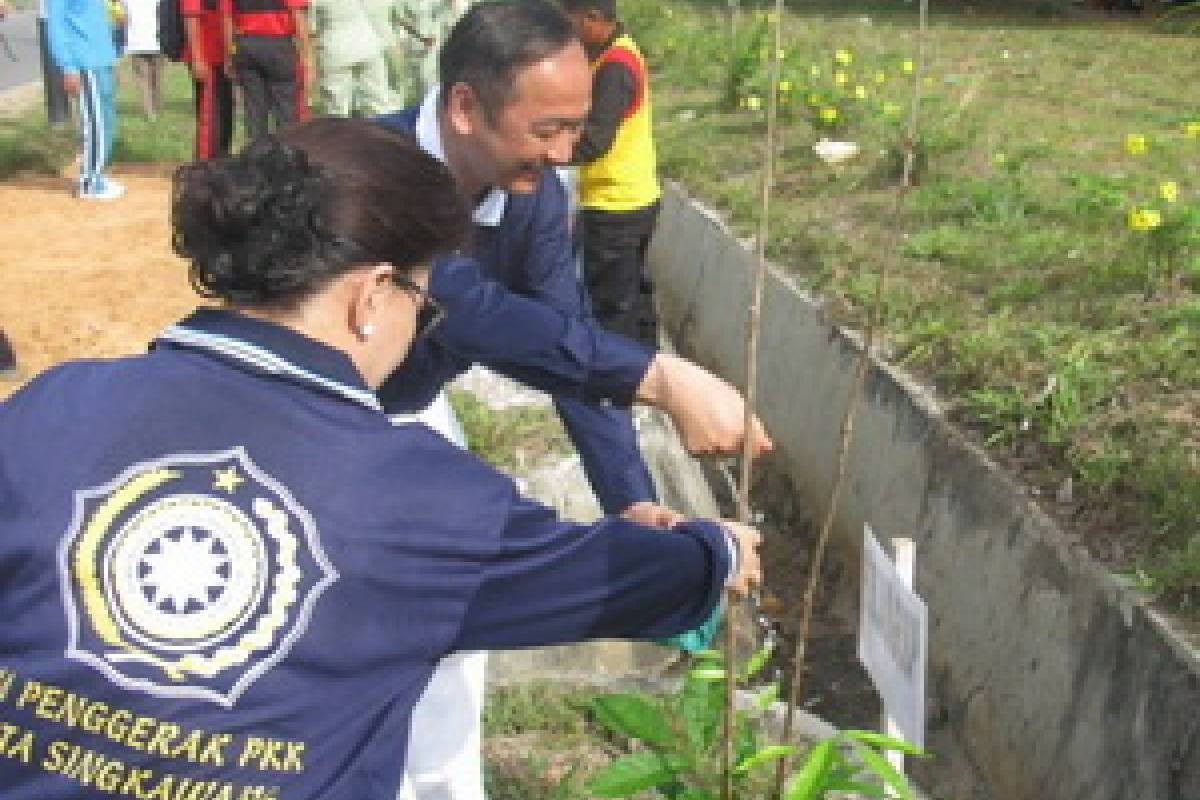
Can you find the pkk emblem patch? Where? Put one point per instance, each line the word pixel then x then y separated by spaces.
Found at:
pixel 189 576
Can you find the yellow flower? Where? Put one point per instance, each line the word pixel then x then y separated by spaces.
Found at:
pixel 754 102
pixel 1000 159
pixel 814 71
pixel 891 109
pixel 843 57
pixel 829 114
pixel 881 77
pixel 741 102
pixel 781 54
pixel 1135 144
pixel 840 78
pixel 908 66
pixel 1169 191
pixel 860 92
pixel 1191 130
pixel 1144 219
pixel 785 86
pixel 669 12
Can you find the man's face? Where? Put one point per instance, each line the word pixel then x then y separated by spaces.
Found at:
pixel 538 127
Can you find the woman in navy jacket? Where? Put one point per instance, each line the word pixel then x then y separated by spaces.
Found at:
pixel 223 572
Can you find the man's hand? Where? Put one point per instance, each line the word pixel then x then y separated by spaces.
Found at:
pixel 71 82
pixel 709 414
pixel 749 574
pixel 653 515
pixel 201 70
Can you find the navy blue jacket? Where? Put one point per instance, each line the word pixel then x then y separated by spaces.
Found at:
pixel 219 563
pixel 518 306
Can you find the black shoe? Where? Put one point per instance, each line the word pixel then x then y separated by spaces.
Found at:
pixel 8 360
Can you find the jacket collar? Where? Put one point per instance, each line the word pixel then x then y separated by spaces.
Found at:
pixel 489 212
pixel 265 348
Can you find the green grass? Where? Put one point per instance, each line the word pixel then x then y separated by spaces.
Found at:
pixel 1017 287
pixel 509 439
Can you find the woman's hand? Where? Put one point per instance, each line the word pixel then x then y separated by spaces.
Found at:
pixel 653 515
pixel 749 574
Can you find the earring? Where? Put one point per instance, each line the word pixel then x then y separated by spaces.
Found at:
pixel 366 330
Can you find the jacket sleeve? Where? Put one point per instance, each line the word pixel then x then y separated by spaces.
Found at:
pixel 603 435
pixel 531 341
pixel 58 37
pixel 549 582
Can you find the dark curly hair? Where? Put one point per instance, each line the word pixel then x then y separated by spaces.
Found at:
pixel 276 223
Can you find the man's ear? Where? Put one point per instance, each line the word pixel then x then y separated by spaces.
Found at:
pixel 462 109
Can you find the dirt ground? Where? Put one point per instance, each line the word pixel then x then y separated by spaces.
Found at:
pixel 83 279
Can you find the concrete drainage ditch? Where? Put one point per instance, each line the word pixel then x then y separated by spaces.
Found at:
pixel 1049 676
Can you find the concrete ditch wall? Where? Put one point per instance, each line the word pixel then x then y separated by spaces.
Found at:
pixel 1059 683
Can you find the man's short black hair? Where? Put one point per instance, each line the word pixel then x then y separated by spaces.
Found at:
pixel 607 8
pixel 494 40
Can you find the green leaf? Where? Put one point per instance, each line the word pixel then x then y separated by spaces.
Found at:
pixel 759 660
pixel 768 695
pixel 886 772
pixel 772 753
pixel 708 655
pixel 809 783
pixel 633 715
pixel 707 674
pixel 882 742
pixel 701 705
pixel 629 775
pixel 745 738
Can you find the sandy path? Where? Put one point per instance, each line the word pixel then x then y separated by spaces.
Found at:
pixel 86 279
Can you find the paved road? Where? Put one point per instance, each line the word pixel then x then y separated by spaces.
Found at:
pixel 19 28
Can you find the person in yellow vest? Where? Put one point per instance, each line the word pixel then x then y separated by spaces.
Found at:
pixel 618 182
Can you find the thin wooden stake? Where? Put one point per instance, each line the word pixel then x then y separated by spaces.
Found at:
pixel 753 329
pixel 874 323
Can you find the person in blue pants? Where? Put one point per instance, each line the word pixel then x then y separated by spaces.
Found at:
pixel 81 44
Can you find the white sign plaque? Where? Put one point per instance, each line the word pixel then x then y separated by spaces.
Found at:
pixel 892 639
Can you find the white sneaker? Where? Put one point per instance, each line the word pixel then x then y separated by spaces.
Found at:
pixel 109 190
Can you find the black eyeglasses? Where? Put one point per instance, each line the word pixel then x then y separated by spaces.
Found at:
pixel 431 313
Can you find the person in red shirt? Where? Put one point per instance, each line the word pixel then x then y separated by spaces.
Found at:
pixel 205 54
pixel 269 53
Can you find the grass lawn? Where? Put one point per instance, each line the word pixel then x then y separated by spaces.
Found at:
pixel 1067 339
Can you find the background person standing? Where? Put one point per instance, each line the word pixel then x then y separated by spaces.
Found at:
pixel 81 43
pixel 212 87
pixel 145 54
pixel 350 57
pixel 58 106
pixel 269 53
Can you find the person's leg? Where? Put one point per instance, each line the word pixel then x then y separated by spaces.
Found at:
pixel 106 80
pixel 58 105
pixel 445 735
pixel 647 312
pixel 8 359
pixel 253 80
pixel 155 63
pixel 284 83
pixel 223 97
pixel 139 64
pixel 611 269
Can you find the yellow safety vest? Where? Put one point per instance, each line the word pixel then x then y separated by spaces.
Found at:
pixel 625 178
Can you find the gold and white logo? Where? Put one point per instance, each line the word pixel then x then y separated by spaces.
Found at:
pixel 190 576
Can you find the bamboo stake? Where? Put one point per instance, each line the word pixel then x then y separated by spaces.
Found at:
pixel 753 329
pixel 874 323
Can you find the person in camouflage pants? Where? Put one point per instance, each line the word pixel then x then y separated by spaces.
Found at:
pixel 350 53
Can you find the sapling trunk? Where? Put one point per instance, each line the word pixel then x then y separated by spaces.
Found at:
pixel 753 329
pixel 874 326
